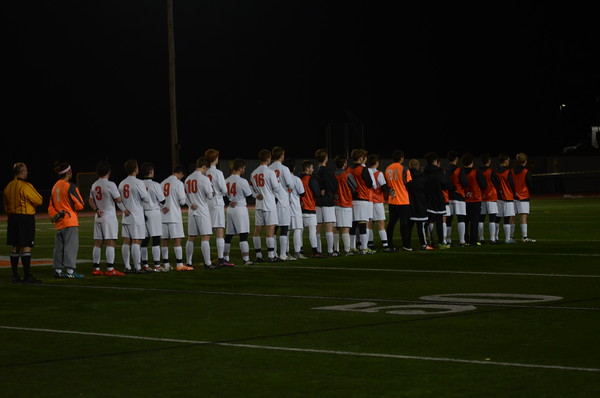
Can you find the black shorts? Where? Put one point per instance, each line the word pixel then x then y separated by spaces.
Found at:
pixel 20 230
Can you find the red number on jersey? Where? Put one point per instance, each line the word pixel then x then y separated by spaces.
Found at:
pixel 259 179
pixel 167 189
pixel 231 189
pixel 192 186
pixel 126 191
pixel 98 193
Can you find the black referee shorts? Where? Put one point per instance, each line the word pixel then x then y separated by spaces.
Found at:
pixel 20 230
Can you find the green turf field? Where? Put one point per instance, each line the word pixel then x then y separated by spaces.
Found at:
pixel 518 320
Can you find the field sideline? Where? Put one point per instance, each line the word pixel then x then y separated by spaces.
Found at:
pixel 518 320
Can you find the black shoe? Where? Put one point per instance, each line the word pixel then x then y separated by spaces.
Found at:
pixel 16 279
pixel 31 280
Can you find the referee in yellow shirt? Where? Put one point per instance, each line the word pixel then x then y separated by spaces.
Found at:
pixel 20 200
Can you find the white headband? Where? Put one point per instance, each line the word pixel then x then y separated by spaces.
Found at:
pixel 64 171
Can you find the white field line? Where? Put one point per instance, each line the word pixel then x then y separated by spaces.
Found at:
pixel 306 350
pixel 304 297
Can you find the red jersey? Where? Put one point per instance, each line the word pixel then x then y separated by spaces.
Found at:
pixel 506 190
pixel 308 201
pixel 363 189
pixel 343 195
pixel 397 176
pixel 473 191
pixel 489 194
pixel 521 188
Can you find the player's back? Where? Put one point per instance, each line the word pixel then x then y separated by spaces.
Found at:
pixel 133 194
pixel 174 192
pixel 264 182
pixel 238 189
pixel 104 192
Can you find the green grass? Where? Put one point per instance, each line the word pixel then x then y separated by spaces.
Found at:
pixel 261 331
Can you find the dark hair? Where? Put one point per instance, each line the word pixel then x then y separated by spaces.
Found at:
pixel 306 164
pixel 321 155
pixel 146 169
pixel 340 161
pixel 397 155
pixel 179 168
pixel 130 166
pixel 373 158
pixel 211 154
pixel 277 152
pixel 103 168
pixel 452 155
pixel 431 157
pixel 264 155
pixel 485 158
pixel 60 167
pixel 238 164
pixel 202 161
pixel 467 159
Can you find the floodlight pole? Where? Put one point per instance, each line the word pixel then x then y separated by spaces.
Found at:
pixel 172 104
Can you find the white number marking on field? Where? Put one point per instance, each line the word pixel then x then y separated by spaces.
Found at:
pixel 493 298
pixel 412 309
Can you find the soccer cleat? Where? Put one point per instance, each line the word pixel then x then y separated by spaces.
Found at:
pixel 210 266
pixel 114 272
pixel 73 275
pixel 97 272
pixel 16 279
pixel 275 260
pixel 368 251
pixel 60 275
pixel 167 267
pixel 31 280
pixel 146 270
pixel 318 255
pixel 224 263
pixel 464 245
pixel 426 247
pixel 183 268
pixel 407 249
pixel 509 242
pixel 390 249
pixel 443 246
pixel 528 240
pixel 300 256
pixel 248 262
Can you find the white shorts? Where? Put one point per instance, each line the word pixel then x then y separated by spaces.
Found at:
pixel 343 217
pixel 325 214
pixel 296 221
pixel 262 217
pixel 217 216
pixel 134 231
pixel 448 209
pixel 489 207
pixel 153 223
pixel 199 225
pixel 522 206
pixel 458 208
pixel 238 220
pixel 378 212
pixel 309 219
pixel 506 209
pixel 172 230
pixel 107 229
pixel 362 210
pixel 284 215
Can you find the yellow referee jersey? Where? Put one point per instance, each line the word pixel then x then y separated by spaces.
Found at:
pixel 20 197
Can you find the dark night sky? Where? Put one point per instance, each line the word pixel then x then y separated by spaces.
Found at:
pixel 88 81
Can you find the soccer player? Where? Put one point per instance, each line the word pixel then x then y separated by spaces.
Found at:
pixel 379 191
pixel 326 200
pixel 489 204
pixel 436 181
pixel 65 202
pixel 309 204
pixel 20 201
pixel 343 205
pixel 172 220
pixel 134 195
pixel 522 179
pixel 238 218
pixel 418 205
pixel 362 207
pixel 153 211
pixel 397 177
pixel 217 204
pixel 265 186
pixel 103 196
pixel 458 206
pixel 284 217
pixel 199 192
pixel 296 223
pixel 506 205
pixel 473 197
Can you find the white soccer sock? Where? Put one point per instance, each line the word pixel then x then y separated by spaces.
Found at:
pixel 156 254
pixel 492 227
pixel 461 232
pixel 164 253
pixel 126 252
pixel 524 231
pixel 205 249
pixel 136 255
pixel 270 246
pixel 507 232
pixel 189 251
pixel 220 247
pixel 329 239
pixel 383 236
pixel 96 252
pixel 178 250
pixel 298 240
pixel 283 245
pixel 110 254
pixel 245 248
pixel 480 230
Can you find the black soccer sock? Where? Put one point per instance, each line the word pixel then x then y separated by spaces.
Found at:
pixel 14 263
pixel 26 261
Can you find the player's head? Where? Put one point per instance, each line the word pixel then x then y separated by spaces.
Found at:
pixel 212 155
pixel 358 154
pixel 486 159
pixel 264 156
pixel 308 167
pixel 238 164
pixel 146 169
pixel 179 169
pixel 340 162
pixel 414 164
pixel 277 153
pixel 503 159
pixel 63 170
pixel 20 170
pixel 432 158
pixel 103 168
pixel 321 155
pixel 452 156
pixel 467 159
pixel 131 166
pixel 373 160
pixel 397 156
pixel 201 162
pixel 521 158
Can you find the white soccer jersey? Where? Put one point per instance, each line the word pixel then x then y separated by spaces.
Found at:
pixel 174 192
pixel 218 180
pixel 199 191
pixel 104 193
pixel 264 181
pixel 238 189
pixel 133 194
pixel 284 176
pixel 155 194
pixel 297 190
